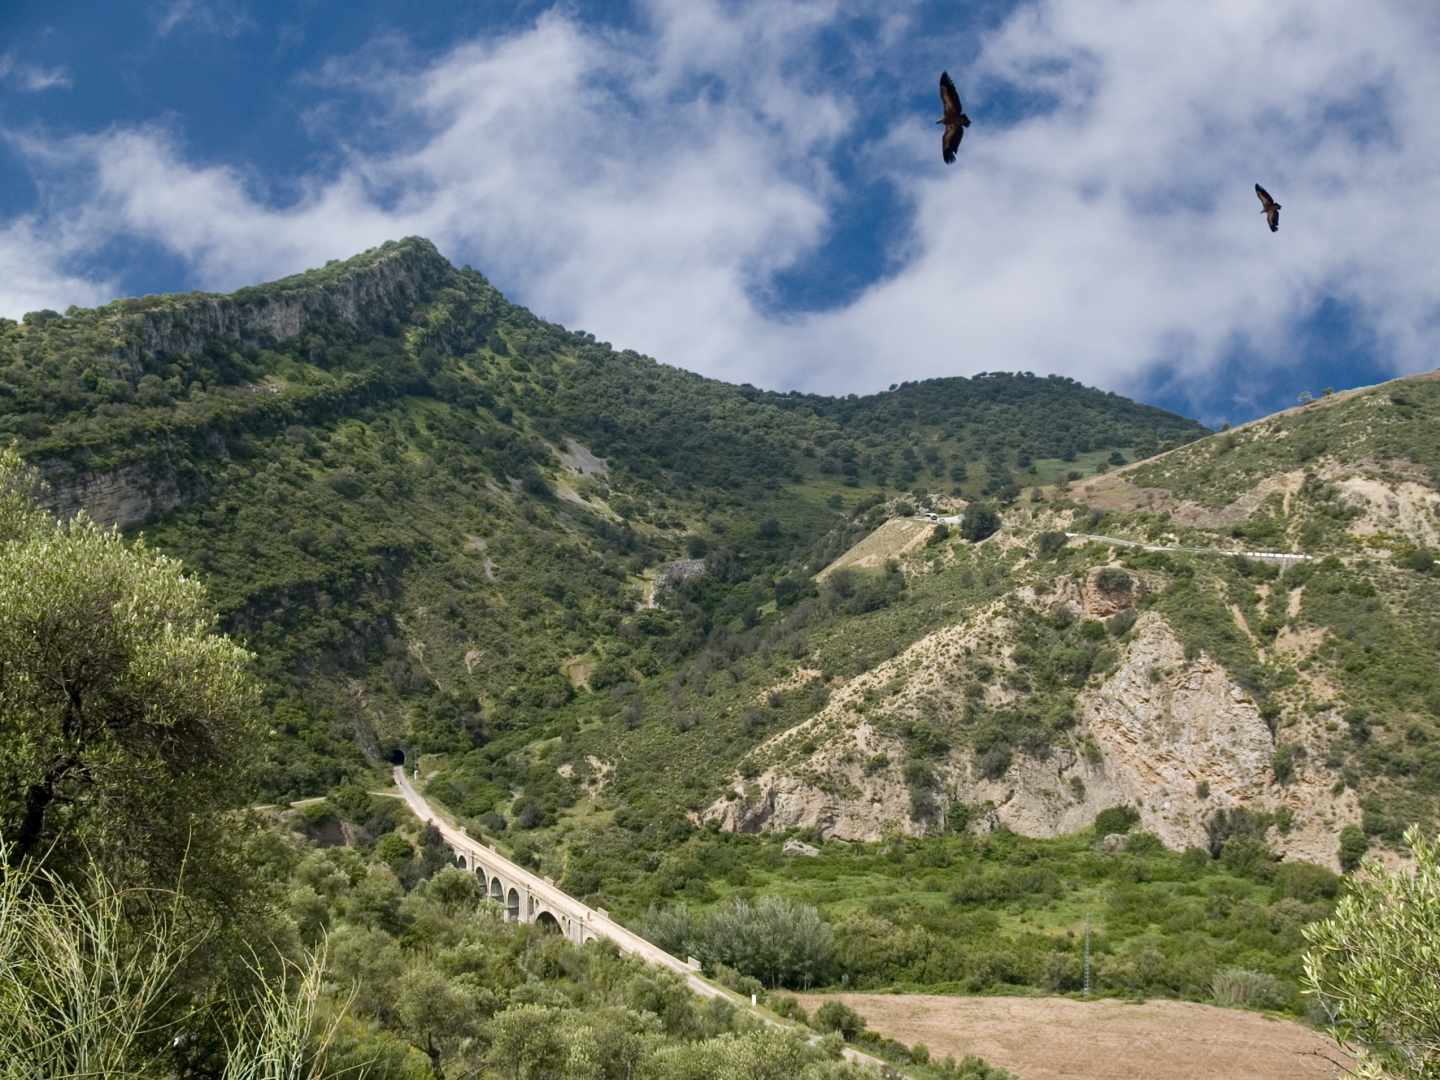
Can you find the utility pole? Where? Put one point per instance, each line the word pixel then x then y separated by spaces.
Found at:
pixel 1087 956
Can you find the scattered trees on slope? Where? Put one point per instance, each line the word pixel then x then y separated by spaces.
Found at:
pixel 979 523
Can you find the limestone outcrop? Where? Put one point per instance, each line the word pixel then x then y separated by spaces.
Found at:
pixel 1177 739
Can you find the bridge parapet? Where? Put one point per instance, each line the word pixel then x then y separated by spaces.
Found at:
pixel 530 898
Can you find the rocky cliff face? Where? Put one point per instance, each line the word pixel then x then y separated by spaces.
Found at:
pixel 127 496
pixel 365 297
pixel 1175 738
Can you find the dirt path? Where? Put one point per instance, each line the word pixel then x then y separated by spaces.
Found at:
pixel 1062 1039
pixel 1267 556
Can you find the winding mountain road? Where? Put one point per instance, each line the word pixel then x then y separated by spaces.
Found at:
pixel 1269 556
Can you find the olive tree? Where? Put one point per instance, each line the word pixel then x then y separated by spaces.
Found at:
pixel 126 719
pixel 1374 967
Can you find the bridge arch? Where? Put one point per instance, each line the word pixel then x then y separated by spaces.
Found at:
pixel 516 897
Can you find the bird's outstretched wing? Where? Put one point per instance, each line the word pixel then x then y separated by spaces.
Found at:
pixel 954 118
pixel 1272 208
pixel 949 98
pixel 951 142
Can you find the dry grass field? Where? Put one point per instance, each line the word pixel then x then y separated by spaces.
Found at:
pixel 1062 1039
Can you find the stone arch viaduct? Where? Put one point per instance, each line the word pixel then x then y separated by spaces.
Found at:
pixel 529 898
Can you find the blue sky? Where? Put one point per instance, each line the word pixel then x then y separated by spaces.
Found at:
pixel 754 189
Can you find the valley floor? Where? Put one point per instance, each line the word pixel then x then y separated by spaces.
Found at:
pixel 1051 1038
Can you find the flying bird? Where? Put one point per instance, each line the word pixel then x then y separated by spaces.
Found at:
pixel 1269 207
pixel 955 120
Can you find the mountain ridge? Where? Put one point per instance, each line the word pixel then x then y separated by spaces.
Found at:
pixel 622 615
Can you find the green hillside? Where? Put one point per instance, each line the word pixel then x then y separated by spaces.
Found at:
pixel 385 472
pixel 583 591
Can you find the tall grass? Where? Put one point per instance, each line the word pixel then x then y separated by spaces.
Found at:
pixel 282 1038
pixel 1238 988
pixel 81 983
pixel 86 987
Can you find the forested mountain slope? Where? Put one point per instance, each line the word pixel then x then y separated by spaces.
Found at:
pixel 433 515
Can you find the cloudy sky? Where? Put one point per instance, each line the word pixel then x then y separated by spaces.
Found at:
pixel 754 190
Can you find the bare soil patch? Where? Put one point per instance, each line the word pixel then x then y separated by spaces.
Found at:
pixel 894 539
pixel 1062 1039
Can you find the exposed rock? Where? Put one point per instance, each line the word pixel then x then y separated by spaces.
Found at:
pixel 1100 603
pixel 1147 736
pixel 368 297
pixel 1110 843
pixel 578 670
pixel 126 496
pixel 799 847
pixel 677 572
pixel 600 773
pixel 582 460
pixel 478 545
pixel 1404 507
pixel 668 575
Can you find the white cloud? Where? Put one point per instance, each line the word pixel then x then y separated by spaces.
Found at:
pixel 32 78
pixel 205 16
pixel 33 272
pixel 647 184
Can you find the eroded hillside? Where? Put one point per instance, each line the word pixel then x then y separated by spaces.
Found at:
pixel 1187 683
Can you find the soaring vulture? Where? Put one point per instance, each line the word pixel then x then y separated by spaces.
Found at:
pixel 955 120
pixel 1269 207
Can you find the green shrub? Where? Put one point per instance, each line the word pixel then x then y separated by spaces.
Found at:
pixel 1238 988
pixel 1371 971
pixel 1353 846
pixel 1048 544
pixel 1116 819
pixel 837 1016
pixel 776 940
pixel 1249 856
pixel 1121 622
pixel 1306 882
pixel 1421 560
pixel 994 762
pixel 979 522
pixel 1282 762
pixel 788 1007
pixel 1115 581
